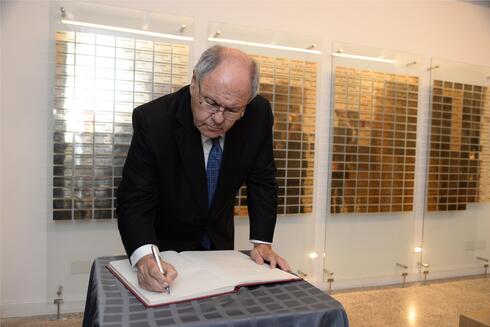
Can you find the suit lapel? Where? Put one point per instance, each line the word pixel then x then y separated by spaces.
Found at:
pixel 189 143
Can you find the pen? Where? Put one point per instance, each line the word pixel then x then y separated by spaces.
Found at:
pixel 156 255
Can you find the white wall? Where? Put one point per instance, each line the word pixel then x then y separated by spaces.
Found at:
pixel 452 30
pixel 24 164
pixel 1 105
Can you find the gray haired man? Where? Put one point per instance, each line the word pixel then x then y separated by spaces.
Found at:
pixel 191 151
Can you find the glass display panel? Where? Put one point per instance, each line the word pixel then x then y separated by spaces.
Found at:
pixel 456 215
pixel 100 78
pixel 290 86
pixel 374 131
pixel 373 217
pixel 459 156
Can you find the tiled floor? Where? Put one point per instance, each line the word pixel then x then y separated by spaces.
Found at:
pixel 437 304
pixel 69 320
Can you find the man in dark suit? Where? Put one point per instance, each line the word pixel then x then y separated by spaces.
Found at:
pixel 190 153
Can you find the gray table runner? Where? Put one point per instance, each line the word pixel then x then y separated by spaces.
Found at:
pixel 298 303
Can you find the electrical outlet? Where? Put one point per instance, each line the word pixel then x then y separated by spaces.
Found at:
pixel 481 245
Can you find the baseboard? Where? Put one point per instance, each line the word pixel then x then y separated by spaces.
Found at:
pixel 9 310
pixel 395 280
pixel 443 274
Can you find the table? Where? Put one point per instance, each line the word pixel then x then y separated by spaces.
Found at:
pixel 297 303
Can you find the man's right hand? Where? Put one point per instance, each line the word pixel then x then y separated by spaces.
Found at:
pixel 149 276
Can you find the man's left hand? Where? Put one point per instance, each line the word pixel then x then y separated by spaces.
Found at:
pixel 263 252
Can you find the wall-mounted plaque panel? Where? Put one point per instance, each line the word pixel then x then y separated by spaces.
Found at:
pixel 374 136
pixel 290 86
pixel 459 159
pixel 100 78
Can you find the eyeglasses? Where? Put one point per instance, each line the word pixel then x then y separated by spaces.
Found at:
pixel 212 107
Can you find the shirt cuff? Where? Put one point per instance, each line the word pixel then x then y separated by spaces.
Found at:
pixel 140 253
pixel 259 242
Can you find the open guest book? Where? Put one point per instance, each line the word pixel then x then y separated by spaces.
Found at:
pixel 201 274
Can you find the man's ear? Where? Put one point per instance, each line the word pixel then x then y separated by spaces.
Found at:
pixel 193 84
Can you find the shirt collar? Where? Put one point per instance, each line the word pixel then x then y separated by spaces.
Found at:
pixel 204 139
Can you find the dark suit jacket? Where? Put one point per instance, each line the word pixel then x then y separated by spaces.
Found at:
pixel 162 198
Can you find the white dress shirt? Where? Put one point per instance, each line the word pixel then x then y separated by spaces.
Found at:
pixel 207 144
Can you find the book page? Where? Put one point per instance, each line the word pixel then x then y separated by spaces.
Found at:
pixel 237 267
pixel 193 281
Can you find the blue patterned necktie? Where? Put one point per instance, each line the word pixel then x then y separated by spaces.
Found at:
pixel 212 169
pixel 212 173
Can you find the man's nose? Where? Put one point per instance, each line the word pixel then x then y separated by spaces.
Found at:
pixel 219 117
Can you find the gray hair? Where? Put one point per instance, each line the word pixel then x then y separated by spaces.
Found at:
pixel 212 57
